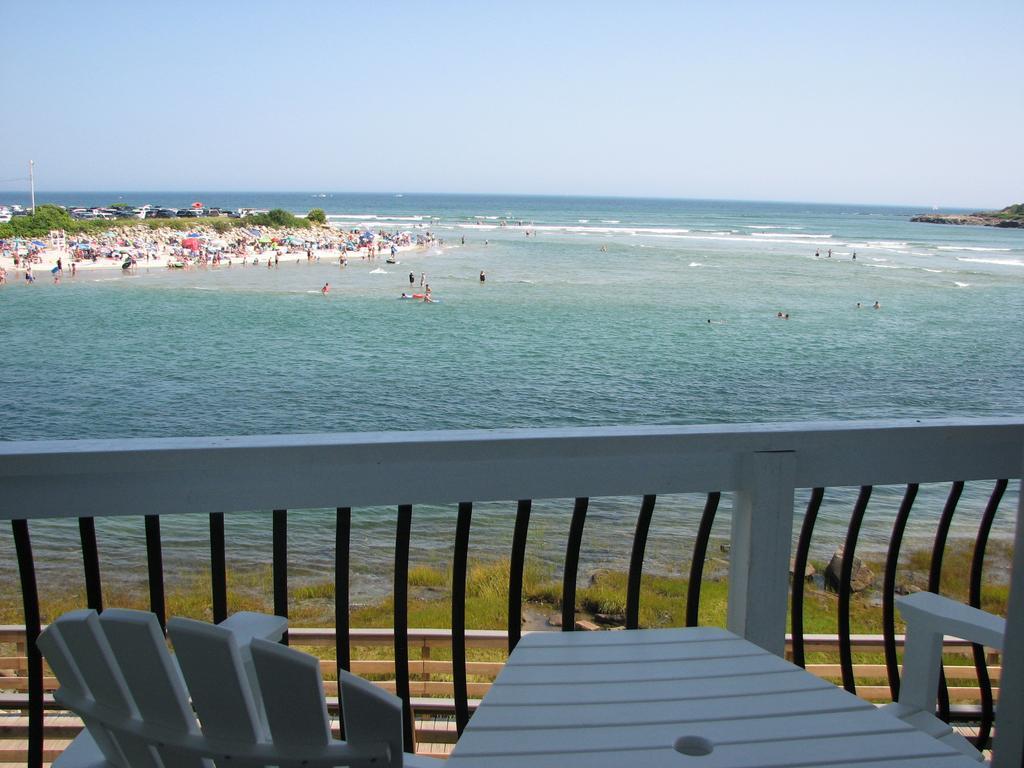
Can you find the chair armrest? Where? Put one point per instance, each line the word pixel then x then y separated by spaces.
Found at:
pixel 937 614
pixel 929 619
pixel 246 625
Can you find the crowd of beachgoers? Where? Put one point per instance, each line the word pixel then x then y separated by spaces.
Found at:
pixel 57 256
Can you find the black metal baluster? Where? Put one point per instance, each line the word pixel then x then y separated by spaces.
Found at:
pixel 155 567
pixel 403 531
pixel 974 600
pixel 91 563
pixel 892 664
pixel 572 561
pixel 218 568
pixel 700 553
pixel 845 577
pixel 280 558
pixel 935 577
pixel 30 601
pixel 342 641
pixel 803 549
pixel 459 566
pixel 515 573
pixel 636 561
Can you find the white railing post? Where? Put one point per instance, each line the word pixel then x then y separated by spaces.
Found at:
pixel 1008 747
pixel 762 535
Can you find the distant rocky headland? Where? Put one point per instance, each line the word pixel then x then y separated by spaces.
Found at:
pixel 1010 216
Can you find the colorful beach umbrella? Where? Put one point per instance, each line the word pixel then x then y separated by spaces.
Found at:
pixel 191 243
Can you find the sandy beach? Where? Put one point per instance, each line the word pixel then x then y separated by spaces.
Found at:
pixel 143 247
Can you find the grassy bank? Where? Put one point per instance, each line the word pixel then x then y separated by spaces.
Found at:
pixel 662 603
pixel 51 217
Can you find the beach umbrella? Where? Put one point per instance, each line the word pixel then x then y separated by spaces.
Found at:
pixel 39 243
pixel 197 204
pixel 191 243
pixel 194 234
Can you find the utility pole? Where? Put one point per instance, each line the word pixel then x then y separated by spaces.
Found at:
pixel 32 183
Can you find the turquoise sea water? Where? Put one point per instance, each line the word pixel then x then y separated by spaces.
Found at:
pixel 600 317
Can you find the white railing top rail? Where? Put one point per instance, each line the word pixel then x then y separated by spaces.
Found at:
pixel 40 479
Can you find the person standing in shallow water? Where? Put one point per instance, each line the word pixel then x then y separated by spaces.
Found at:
pixel 483 277
pixel 412 278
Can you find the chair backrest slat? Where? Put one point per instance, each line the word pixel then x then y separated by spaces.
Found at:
pixel 153 679
pixel 73 692
pixel 293 695
pixel 212 666
pixel 372 716
pixel 98 667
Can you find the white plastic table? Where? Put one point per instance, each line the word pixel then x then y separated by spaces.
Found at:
pixel 678 697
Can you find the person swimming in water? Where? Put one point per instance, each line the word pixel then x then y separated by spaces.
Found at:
pixel 326 289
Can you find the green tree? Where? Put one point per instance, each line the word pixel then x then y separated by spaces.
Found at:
pixel 317 216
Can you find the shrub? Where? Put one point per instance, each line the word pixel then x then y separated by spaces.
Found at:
pixel 317 216
pixel 39 224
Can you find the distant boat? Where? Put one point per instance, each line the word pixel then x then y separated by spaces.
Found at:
pixel 399 195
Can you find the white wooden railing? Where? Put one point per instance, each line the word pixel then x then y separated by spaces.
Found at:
pixel 761 464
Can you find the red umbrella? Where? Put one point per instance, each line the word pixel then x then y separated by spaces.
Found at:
pixel 192 243
pixel 197 205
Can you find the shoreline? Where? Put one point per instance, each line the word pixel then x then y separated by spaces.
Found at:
pixel 164 249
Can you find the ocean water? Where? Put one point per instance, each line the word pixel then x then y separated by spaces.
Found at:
pixel 599 316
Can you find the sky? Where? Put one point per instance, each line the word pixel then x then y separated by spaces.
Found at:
pixel 870 102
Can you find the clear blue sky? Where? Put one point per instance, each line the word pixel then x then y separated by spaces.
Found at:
pixel 874 102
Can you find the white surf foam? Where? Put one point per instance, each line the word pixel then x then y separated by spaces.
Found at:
pixel 609 221
pixel 971 248
pixel 790 234
pixel 697 264
pixel 378 271
pixel 1000 262
pixel 958 284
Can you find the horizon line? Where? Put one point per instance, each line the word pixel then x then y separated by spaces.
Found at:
pixel 552 195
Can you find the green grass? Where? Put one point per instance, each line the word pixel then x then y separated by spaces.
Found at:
pixel 662 600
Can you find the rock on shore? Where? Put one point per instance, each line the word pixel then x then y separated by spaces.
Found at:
pixel 1012 216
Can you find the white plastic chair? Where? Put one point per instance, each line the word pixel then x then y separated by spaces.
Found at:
pixel 930 617
pixel 258 702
